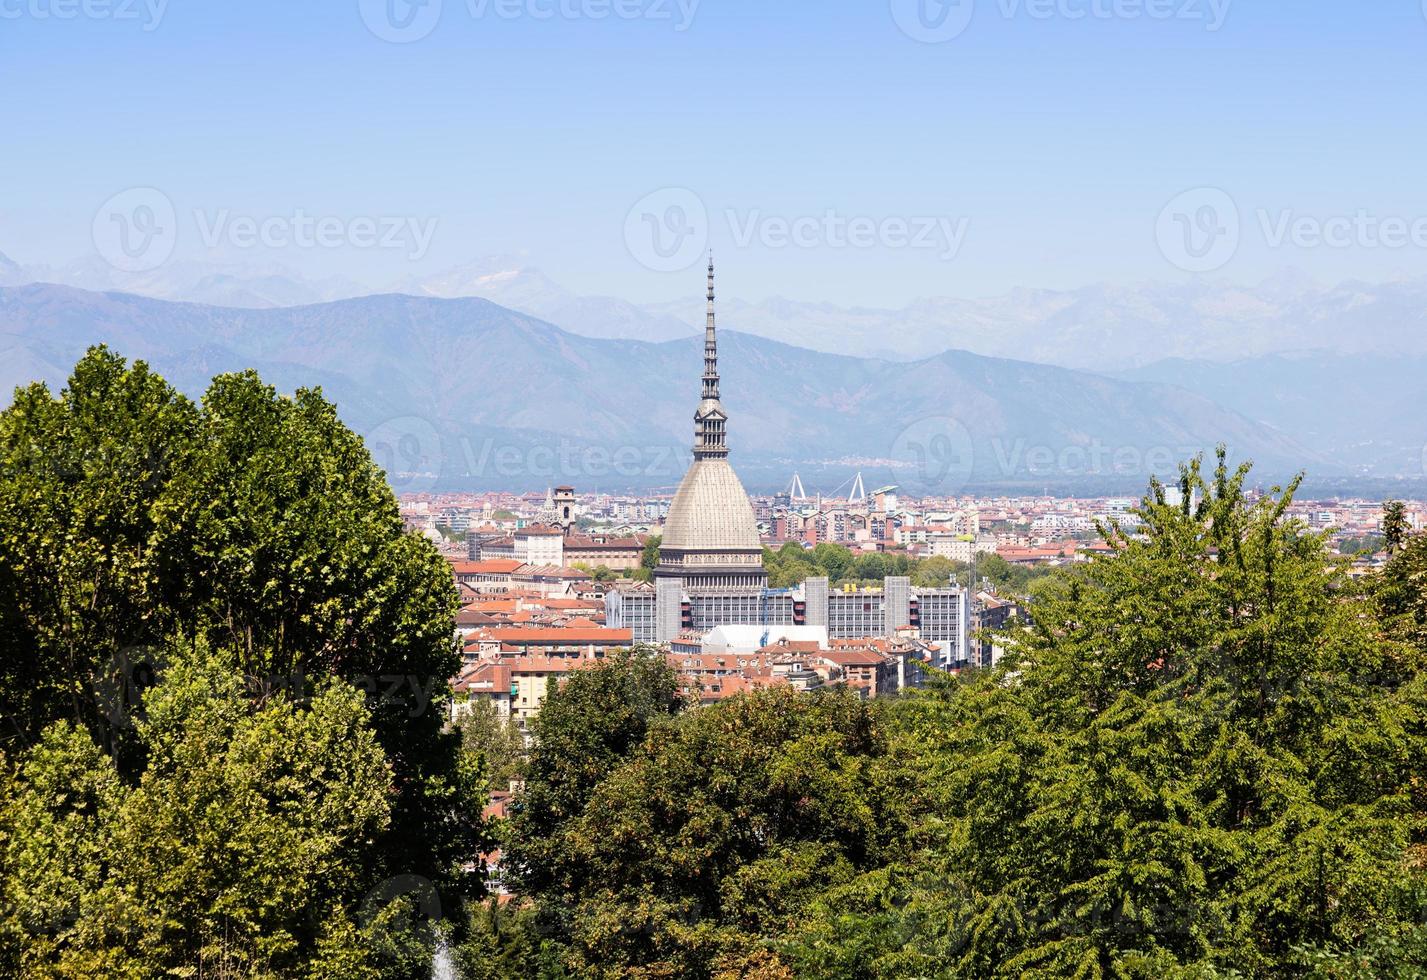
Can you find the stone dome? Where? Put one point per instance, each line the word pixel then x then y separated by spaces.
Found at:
pixel 710 511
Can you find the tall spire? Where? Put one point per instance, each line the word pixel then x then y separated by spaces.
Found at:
pixel 710 344
pixel 709 419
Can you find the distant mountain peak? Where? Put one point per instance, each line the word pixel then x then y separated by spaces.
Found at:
pixel 516 401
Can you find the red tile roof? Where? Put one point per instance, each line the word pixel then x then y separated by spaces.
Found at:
pixel 491 566
pixel 598 636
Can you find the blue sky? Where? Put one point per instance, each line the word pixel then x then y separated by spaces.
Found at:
pixel 1039 147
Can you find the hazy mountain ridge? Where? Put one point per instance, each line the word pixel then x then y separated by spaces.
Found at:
pixel 1097 327
pixel 468 376
pixel 1369 411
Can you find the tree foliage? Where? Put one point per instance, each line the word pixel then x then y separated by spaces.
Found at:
pixel 492 741
pixel 141 533
pixel 241 851
pixel 585 729
pixel 1201 759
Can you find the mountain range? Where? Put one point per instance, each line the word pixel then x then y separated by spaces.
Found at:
pixel 467 393
pixel 1098 327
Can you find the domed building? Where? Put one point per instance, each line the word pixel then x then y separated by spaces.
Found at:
pixel 710 574
pixel 710 535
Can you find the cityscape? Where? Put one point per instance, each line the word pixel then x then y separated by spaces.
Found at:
pixel 713 490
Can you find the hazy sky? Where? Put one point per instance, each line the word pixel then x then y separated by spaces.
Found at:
pixel 833 155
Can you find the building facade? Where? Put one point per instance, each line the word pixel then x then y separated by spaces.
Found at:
pixel 941 616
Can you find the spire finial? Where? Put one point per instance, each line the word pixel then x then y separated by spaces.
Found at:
pixel 709 419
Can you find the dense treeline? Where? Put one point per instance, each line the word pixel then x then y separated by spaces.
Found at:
pixel 222 663
pixel 1204 759
pixel 222 750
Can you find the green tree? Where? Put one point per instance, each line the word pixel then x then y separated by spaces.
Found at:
pixel 786 574
pixel 833 559
pixel 695 856
pixel 81 574
pixel 241 851
pixel 1394 525
pixel 585 729
pixel 1403 591
pixel 649 557
pixel 132 520
pixel 1198 759
pixel 871 567
pixel 495 741
pixel 935 572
